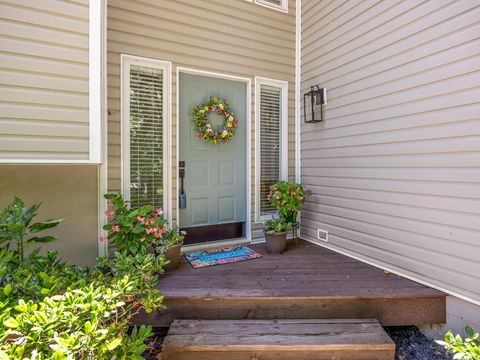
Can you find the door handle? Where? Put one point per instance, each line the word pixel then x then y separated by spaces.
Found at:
pixel 182 197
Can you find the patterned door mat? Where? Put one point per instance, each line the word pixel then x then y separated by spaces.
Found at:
pixel 200 259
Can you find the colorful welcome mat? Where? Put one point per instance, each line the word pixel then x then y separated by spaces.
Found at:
pixel 202 259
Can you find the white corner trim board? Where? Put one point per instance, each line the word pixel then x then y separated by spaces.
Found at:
pixel 298 79
pixel 96 44
pixel 102 246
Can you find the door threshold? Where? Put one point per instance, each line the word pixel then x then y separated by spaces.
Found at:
pixel 214 244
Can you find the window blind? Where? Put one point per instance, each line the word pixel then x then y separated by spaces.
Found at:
pixel 146 136
pixel 270 132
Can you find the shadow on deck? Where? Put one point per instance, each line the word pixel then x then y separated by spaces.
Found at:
pixel 306 282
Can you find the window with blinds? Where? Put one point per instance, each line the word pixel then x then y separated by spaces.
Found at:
pixel 146 136
pixel 270 116
pixel 145 111
pixel 271 131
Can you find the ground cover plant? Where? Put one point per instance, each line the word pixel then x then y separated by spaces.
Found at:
pixel 463 349
pixel 51 310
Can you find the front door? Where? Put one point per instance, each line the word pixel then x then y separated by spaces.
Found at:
pixel 215 175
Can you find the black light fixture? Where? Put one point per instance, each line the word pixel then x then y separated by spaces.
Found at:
pixel 313 102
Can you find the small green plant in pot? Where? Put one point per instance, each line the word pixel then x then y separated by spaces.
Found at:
pixel 288 198
pixel 173 241
pixel 276 231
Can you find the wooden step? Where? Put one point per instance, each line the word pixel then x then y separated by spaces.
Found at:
pixel 311 339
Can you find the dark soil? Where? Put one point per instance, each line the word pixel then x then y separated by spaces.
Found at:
pixel 413 345
pixel 154 343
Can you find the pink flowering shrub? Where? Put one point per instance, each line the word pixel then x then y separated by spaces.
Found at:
pixel 288 198
pixel 138 230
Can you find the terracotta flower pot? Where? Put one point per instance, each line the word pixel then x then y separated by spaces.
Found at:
pixel 276 242
pixel 173 255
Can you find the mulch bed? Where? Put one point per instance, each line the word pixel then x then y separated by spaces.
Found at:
pixel 154 343
pixel 413 345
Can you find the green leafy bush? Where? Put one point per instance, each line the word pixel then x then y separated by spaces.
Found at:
pixel 134 229
pixel 288 198
pixel 276 226
pixel 463 349
pixel 15 226
pixel 50 310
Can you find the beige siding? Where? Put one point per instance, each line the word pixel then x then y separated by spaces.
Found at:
pixel 394 168
pixel 66 192
pixel 44 80
pixel 234 37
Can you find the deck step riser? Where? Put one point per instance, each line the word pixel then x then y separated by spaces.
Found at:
pixel 390 312
pixel 232 355
pixel 352 339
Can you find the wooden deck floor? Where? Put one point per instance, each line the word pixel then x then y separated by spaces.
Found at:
pixel 307 281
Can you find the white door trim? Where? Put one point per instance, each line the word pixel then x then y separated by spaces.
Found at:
pixel 166 66
pixel 248 82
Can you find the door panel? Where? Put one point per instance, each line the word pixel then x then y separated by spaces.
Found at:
pixel 215 175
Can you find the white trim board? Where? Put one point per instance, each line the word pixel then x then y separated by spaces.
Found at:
pixel 125 62
pixel 95 76
pixel 46 162
pixel 298 87
pixel 283 85
pixel 103 168
pixel 248 82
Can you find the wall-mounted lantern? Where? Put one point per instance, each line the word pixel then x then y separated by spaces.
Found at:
pixel 313 102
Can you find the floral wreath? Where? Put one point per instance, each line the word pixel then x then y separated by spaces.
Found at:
pixel 203 126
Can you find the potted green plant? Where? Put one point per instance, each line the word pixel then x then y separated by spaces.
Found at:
pixel 276 231
pixel 173 241
pixel 288 198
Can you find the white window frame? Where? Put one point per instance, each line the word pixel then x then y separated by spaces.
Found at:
pixel 283 85
pixel 126 62
pixel 282 8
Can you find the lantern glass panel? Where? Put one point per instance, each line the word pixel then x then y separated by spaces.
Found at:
pixel 317 104
pixel 307 107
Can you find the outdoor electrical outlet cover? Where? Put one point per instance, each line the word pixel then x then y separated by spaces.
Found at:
pixel 322 235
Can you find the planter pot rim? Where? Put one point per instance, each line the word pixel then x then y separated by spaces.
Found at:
pixel 274 233
pixel 174 246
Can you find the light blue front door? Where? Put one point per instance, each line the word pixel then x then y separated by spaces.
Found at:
pixel 215 175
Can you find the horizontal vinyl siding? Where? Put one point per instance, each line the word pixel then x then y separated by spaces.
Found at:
pixel 234 37
pixel 394 168
pixel 44 108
